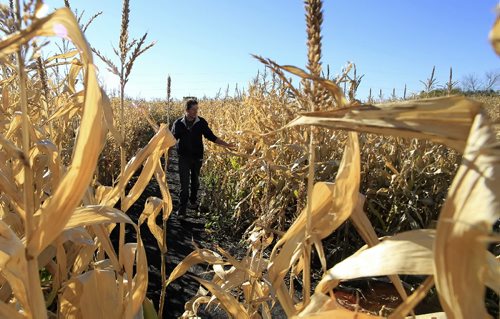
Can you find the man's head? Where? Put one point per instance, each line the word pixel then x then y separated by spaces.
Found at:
pixel 191 109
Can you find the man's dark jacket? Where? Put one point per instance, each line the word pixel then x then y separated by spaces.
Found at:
pixel 189 141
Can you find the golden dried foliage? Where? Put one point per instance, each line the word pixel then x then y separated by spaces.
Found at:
pixel 454 256
pixel 54 218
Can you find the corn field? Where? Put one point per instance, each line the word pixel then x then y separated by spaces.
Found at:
pixel 310 160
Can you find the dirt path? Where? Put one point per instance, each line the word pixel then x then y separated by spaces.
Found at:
pixel 182 231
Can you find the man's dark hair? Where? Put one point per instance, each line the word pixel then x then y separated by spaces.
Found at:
pixel 190 103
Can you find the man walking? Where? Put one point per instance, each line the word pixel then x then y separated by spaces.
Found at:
pixel 188 130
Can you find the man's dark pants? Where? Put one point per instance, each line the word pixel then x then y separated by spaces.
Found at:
pixel 189 171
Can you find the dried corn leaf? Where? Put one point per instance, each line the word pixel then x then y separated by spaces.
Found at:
pixel 14 266
pixel 152 209
pixel 15 128
pixel 161 178
pixel 74 70
pixel 5 97
pixel 58 209
pixel 105 245
pixel 495 36
pixel 66 55
pixel 68 110
pixel 191 307
pixel 332 87
pixel 471 208
pixel 150 154
pixel 93 294
pixel 363 224
pixel 96 214
pixel 148 170
pixel 411 253
pixel 108 117
pixel 241 272
pixel 135 296
pixel 445 120
pixel 253 270
pixel 367 232
pixel 101 192
pixel 196 257
pixel 46 256
pixel 262 292
pixel 227 301
pixel 83 259
pixel 50 150
pixel 319 303
pixel 78 237
pixel 11 149
pixel 129 253
pixel 9 189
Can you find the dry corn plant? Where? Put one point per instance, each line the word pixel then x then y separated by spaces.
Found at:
pixel 54 220
pixel 129 52
pixel 454 257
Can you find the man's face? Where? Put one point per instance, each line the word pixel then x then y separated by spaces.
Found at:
pixel 192 112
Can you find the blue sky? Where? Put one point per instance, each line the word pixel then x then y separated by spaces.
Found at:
pixel 206 45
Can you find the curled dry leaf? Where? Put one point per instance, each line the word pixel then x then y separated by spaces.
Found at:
pixel 196 257
pixel 495 35
pixel 445 120
pixel 411 254
pixel 468 214
pixel 151 210
pixel 227 301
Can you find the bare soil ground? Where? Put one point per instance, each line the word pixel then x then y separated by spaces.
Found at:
pixel 182 232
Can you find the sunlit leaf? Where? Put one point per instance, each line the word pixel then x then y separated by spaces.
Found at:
pixel 470 210
pixel 444 120
pixel 227 301
pixel 495 36
pixel 411 254
pixel 196 257
pixel 93 294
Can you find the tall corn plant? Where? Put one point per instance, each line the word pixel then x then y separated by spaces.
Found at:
pixel 34 294
pixel 53 219
pixel 128 52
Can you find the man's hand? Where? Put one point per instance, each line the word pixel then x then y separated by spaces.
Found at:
pixel 225 144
